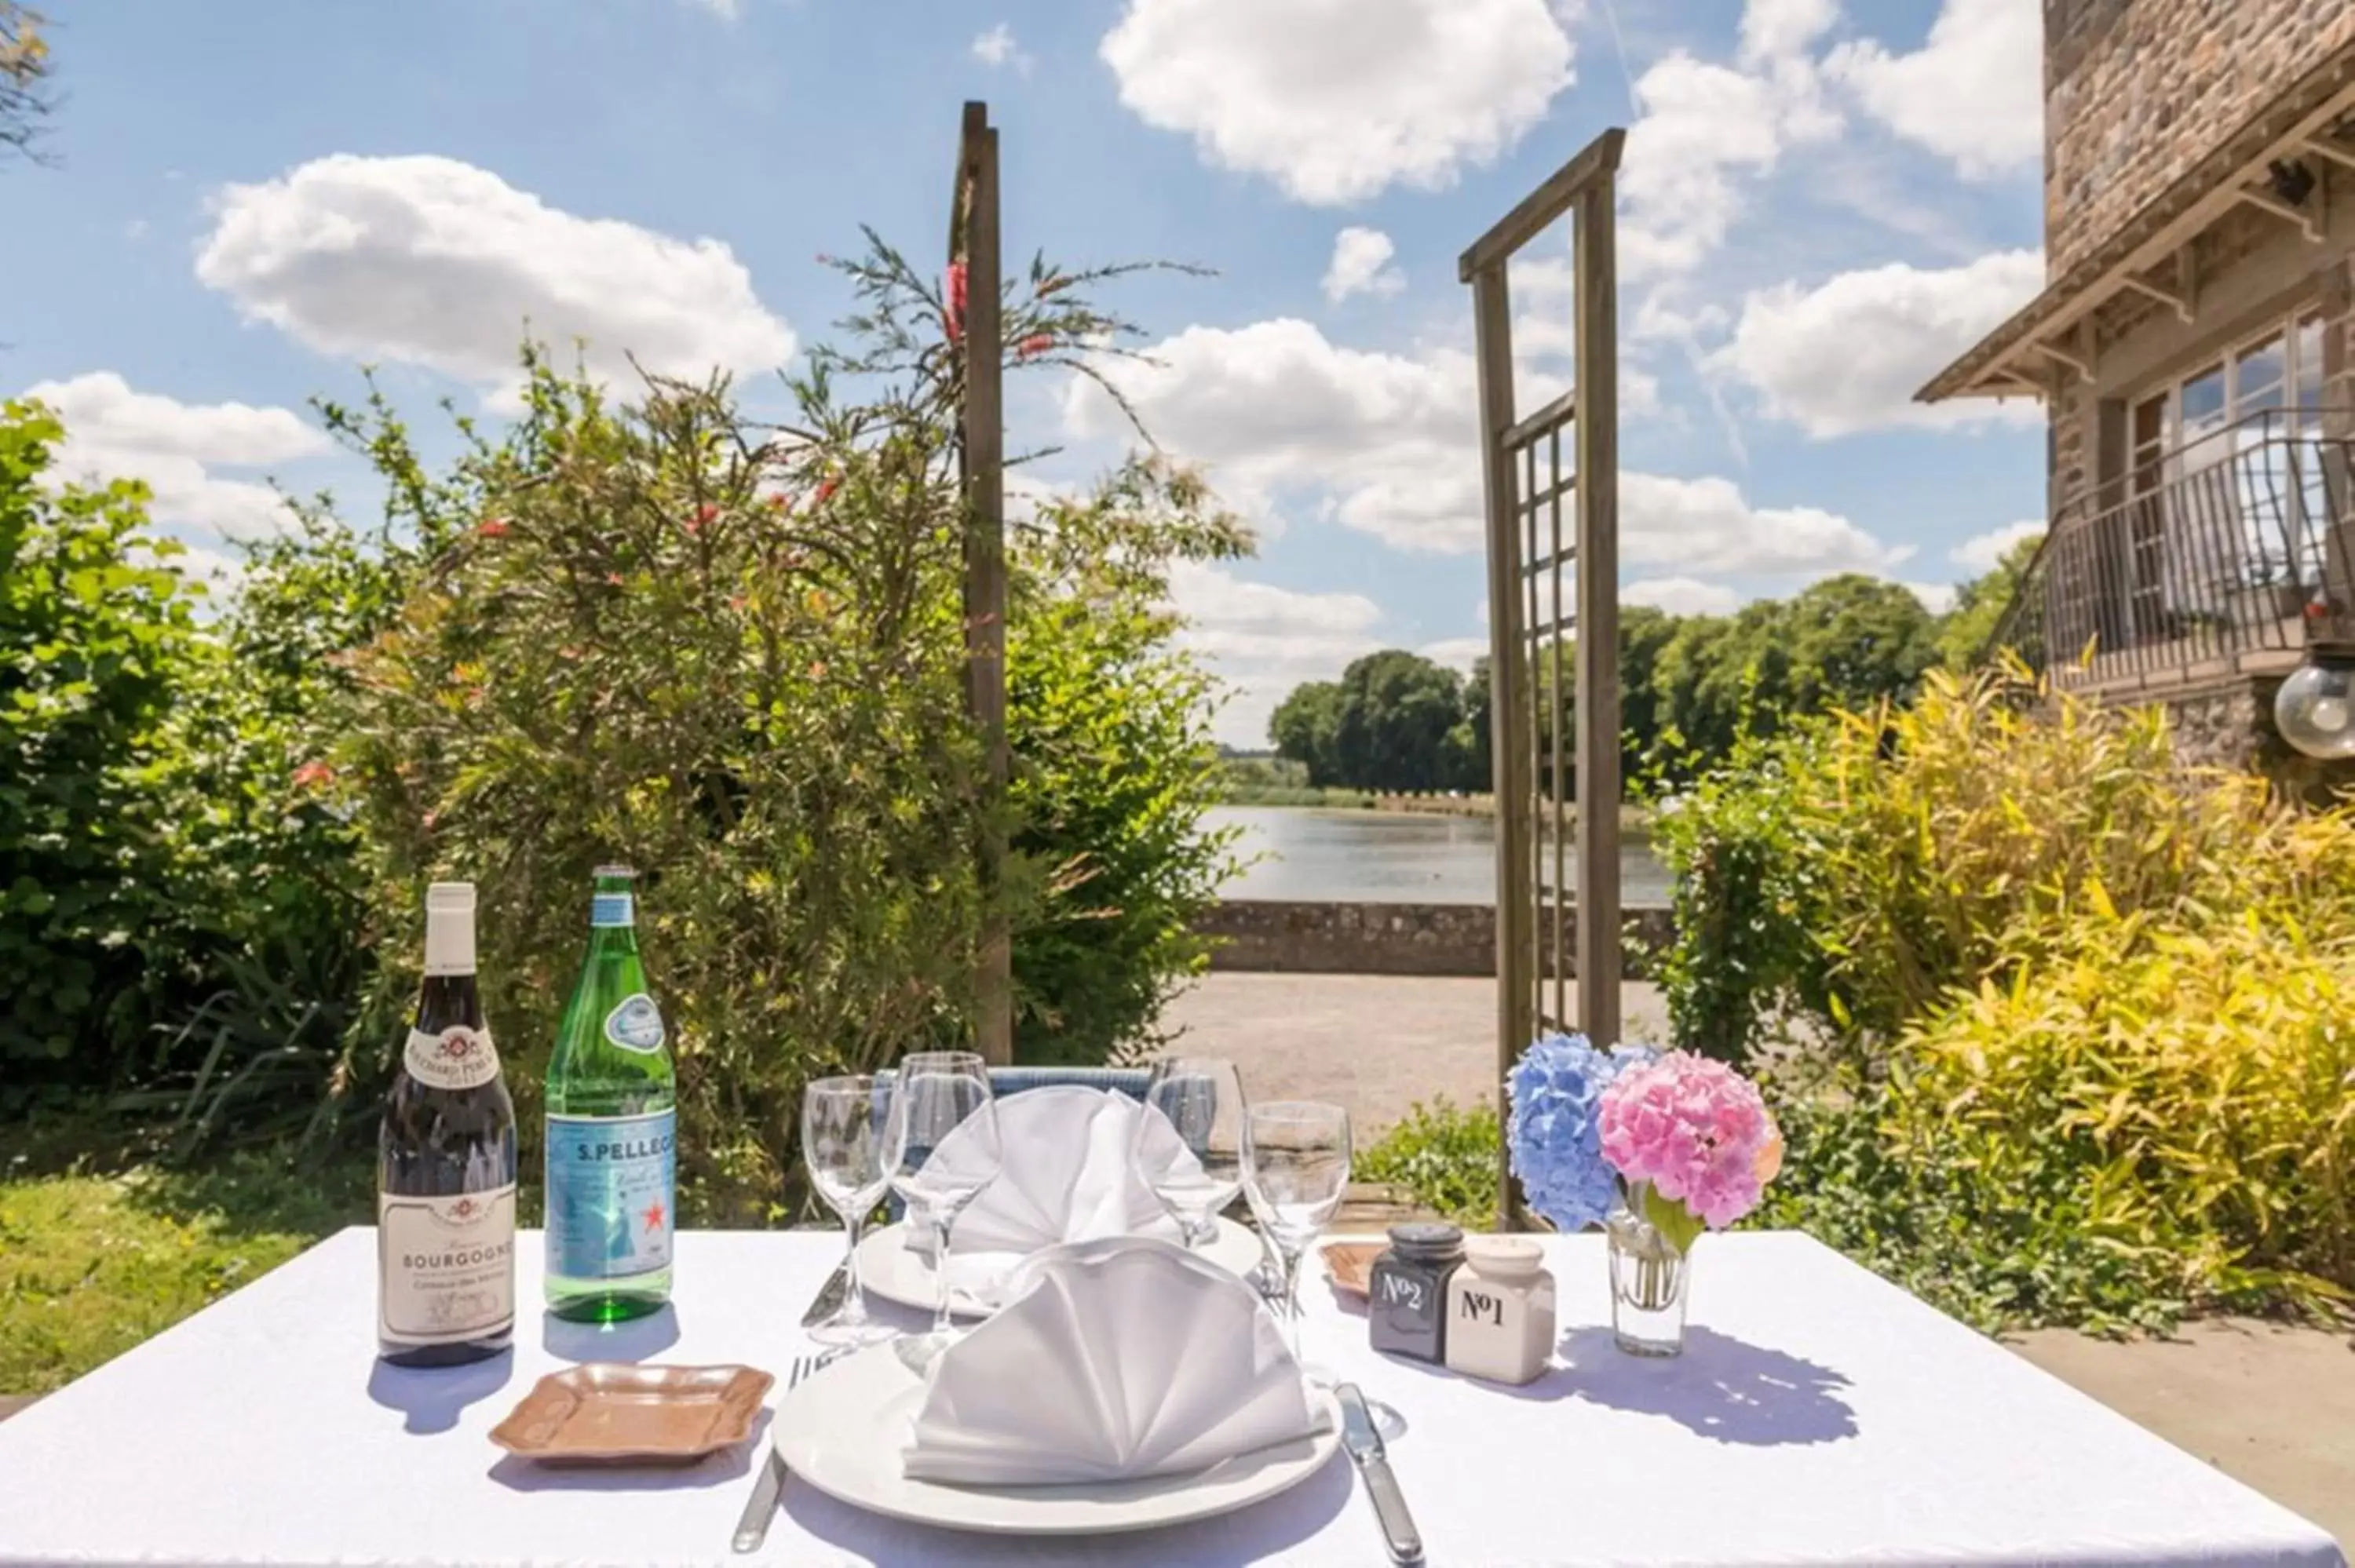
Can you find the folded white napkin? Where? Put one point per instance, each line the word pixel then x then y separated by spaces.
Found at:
pixel 1118 1358
pixel 1065 1173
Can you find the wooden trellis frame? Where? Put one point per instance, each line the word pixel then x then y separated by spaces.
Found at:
pixel 1526 482
pixel 981 467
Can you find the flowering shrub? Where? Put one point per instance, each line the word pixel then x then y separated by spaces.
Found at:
pixel 1555 1129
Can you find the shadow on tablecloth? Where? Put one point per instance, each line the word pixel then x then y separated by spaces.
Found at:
pixel 430 1398
pixel 1722 1388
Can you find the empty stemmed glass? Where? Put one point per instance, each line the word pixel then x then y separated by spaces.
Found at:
pixel 934 1094
pixel 1295 1172
pixel 1196 1102
pixel 842 1144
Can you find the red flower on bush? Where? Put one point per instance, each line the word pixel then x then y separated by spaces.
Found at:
pixel 703 518
pixel 782 500
pixel 492 528
pixel 614 578
pixel 954 289
pixel 1031 347
pixel 313 776
pixel 826 490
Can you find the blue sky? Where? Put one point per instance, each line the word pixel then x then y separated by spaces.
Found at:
pixel 1820 207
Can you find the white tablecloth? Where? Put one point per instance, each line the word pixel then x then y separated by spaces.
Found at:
pixel 1818 1415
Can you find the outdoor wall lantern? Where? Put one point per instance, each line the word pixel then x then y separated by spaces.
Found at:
pixel 2315 708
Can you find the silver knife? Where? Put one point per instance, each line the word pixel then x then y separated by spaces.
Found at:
pixel 830 1295
pixel 1403 1541
pixel 753 1527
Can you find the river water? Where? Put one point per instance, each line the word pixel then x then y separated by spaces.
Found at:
pixel 1389 857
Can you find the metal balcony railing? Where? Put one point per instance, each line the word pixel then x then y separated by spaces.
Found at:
pixel 2222 549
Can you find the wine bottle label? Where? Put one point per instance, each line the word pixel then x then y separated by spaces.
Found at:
pixel 445 1266
pixel 456 1058
pixel 636 1024
pixel 610 1186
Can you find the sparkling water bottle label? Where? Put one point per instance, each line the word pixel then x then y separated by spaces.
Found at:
pixel 611 910
pixel 446 1267
pixel 609 1181
pixel 456 1058
pixel 636 1024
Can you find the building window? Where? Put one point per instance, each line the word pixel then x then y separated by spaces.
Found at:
pixel 2223 478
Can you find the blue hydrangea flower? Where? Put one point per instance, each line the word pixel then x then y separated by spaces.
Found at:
pixel 1555 1130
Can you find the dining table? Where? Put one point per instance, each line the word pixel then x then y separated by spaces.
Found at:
pixel 1818 1415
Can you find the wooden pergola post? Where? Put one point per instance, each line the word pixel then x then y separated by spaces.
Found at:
pixel 981 458
pixel 1525 480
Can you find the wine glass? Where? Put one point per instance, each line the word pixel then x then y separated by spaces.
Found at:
pixel 937 1093
pixel 1296 1172
pixel 842 1144
pixel 1200 1100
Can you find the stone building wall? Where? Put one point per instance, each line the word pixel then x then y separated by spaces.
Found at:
pixel 2135 92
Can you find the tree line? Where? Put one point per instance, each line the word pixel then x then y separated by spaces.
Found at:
pixel 1690 685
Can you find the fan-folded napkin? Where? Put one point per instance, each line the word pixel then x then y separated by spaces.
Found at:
pixel 1118 1359
pixel 1065 1173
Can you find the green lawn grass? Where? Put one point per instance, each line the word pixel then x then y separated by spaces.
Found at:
pixel 101 1255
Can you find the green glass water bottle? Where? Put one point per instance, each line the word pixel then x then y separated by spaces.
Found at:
pixel 612 1128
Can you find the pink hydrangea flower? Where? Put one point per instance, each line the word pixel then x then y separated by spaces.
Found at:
pixel 1696 1129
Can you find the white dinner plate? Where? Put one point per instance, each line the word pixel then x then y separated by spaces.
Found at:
pixel 843 1430
pixel 888 1269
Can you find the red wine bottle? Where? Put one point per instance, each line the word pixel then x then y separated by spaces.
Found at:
pixel 446 1166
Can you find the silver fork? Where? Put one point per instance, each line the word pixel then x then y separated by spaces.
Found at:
pixel 753 1525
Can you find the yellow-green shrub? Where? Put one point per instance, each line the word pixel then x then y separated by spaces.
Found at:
pixel 1853 871
pixel 2181 1092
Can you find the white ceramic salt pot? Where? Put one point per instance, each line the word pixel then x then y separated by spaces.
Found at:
pixel 1500 1310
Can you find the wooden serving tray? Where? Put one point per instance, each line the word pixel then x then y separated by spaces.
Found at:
pixel 604 1412
pixel 1350 1264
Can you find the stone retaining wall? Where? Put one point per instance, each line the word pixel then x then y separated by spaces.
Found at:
pixel 1267 935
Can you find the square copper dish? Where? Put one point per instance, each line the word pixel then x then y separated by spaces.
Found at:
pixel 604 1412
pixel 1350 1264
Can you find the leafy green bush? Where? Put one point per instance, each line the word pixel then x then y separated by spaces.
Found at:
pixel 1113 768
pixel 164 850
pixel 1447 1156
pixel 97 642
pixel 734 656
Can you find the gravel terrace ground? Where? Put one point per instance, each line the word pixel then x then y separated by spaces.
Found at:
pixel 2271 1405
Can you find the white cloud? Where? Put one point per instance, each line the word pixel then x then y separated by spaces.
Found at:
pixel 1385 444
pixel 1456 652
pixel 1361 265
pixel 1263 640
pixel 998 48
pixel 1707 524
pixel 1702 125
pixel 1337 100
pixel 431 261
pixel 1388 445
pixel 1681 596
pixel 114 432
pixel 726 10
pixel 1972 93
pixel 1985 552
pixel 1777 30
pixel 1848 354
pixel 1936 597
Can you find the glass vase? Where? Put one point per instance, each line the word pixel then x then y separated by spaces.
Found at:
pixel 1650 1277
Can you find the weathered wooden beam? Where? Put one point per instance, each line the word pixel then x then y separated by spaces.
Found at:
pixel 983 442
pixel 1509 759
pixel 1595 269
pixel 2168 297
pixel 2309 222
pixel 1598 160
